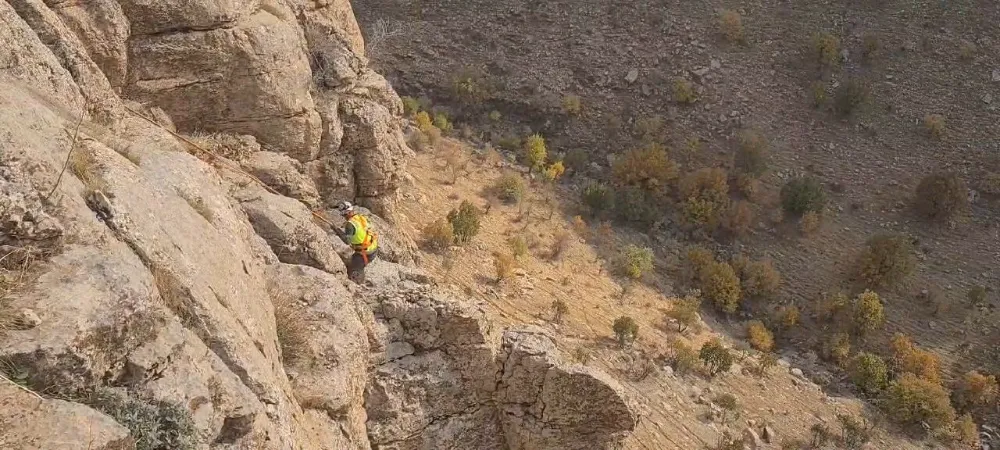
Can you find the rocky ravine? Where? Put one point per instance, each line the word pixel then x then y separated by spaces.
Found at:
pixel 161 300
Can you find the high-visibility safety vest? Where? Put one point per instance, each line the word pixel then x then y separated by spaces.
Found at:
pixel 363 239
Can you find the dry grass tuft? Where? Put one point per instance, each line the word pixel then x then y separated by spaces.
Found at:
pixel 731 26
pixel 292 326
pixel 934 125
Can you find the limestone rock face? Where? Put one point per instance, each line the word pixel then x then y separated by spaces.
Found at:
pixel 104 30
pixel 29 423
pixel 283 174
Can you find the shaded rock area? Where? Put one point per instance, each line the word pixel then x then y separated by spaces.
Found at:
pixel 166 297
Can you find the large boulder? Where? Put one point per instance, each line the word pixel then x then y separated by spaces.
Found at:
pixel 31 422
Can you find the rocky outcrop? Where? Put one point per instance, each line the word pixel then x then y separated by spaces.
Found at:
pixel 29 422
pixel 284 175
pixel 447 380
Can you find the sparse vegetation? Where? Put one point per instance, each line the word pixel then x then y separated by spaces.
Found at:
pixel 626 330
pixel 760 280
pixel 869 47
pixel 471 87
pixel 291 323
pixel 465 222
pixel 977 295
pixel 870 374
pixel 442 123
pixel 503 265
pixel 729 403
pixel 759 336
pixel 826 49
pixel 716 357
pixel 764 364
pixel 561 242
pixel 598 198
pixel 854 434
pixel 934 125
pixel 976 390
pixel 411 106
pixel 571 105
pixel 820 435
pixel 685 312
pixel 731 25
pixel 684 92
pixel 510 187
pixel 518 246
pixel 721 286
pixel 869 314
pixel 941 196
pixel 438 235
pixel 837 348
pixel 967 51
pixel 684 359
pixel 559 310
pixel 648 168
pixel 966 431
pixel 152 424
pixel 535 151
pixel 887 260
pixel 818 93
pixel 554 171
pixel 852 94
pixel 907 357
pixel 739 219
pixel 635 261
pixel 803 194
pixel 913 400
pixel 788 317
pixel 753 157
pixel 810 222
pixel 705 193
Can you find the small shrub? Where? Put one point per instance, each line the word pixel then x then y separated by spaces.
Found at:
pixel 554 171
pixel 809 223
pixel 934 125
pixel 852 94
pixel 990 184
pixel 818 93
pixel 803 194
pixel 291 324
pixel 411 106
pixel 731 25
pixel 975 390
pixel 912 400
pixel 760 279
pixel 581 355
pixel 152 424
pixel 907 357
pixel 941 196
pixel 650 129
pixel 788 317
pixel 837 348
pixel 832 307
pixel 869 314
pixel 977 295
pixel 684 92
pixel 535 151
pixel 870 374
pixel 559 309
pixel 752 157
pixel 696 260
pixel 728 402
pixel 705 193
pixel 887 259
pixel 869 47
pixel 494 116
pixel 576 159
pixel 966 431
pixel 626 330
pixel 471 87
pixel 684 359
pixel 465 222
pixel 510 187
pixel 721 286
pixel 855 434
pixel 717 357
pixel 442 123
pixel 826 49
pixel 685 312
pixel 649 168
pixel 702 212
pixel 518 246
pixel 424 122
pixel 759 336
pixel 739 219
pixel 820 435
pixel 509 142
pixel 598 198
pixel 967 51
pixel 637 206
pixel 571 105
pixel 765 363
pixel 636 261
pixel 503 264
pixel 561 242
pixel 438 235
pixel 748 186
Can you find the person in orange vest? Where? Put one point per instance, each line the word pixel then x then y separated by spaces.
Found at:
pixel 362 238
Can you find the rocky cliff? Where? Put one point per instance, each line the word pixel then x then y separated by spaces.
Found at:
pixel 159 295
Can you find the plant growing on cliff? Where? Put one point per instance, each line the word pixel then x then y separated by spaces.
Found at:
pixel 465 222
pixel 636 261
pixel 626 330
pixel 716 357
pixel 535 151
pixel 152 424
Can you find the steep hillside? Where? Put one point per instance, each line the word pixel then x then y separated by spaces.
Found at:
pixel 169 278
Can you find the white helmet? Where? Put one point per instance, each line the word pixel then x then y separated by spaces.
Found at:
pixel 345 207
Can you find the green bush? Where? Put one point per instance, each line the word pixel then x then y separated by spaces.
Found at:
pixel 887 259
pixel 977 295
pixel 152 425
pixel 510 187
pixel 636 261
pixel 869 314
pixel 684 92
pixel 685 312
pixel 721 286
pixel 598 198
pixel 912 400
pixel 728 402
pixel 716 356
pixel 637 206
pixel 683 358
pixel 855 434
pixel 851 95
pixel 870 374
pixel 705 196
pixel 442 123
pixel 941 196
pixel 802 195
pixel 753 157
pixel 626 330
pixel 535 151
pixel 759 336
pixel 826 49
pixel 411 106
pixel 837 348
pixel 465 222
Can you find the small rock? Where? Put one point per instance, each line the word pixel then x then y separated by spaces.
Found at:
pixel 520 272
pixel 702 71
pixel 988 98
pixel 702 400
pixel 784 362
pixel 796 371
pixel 996 75
pixel 716 64
pixel 768 435
pixel 27 318
pixel 396 350
pixel 751 440
pixel 633 74
pixel 668 371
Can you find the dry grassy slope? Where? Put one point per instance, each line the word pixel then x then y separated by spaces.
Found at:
pixel 581 278
pixel 538 52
